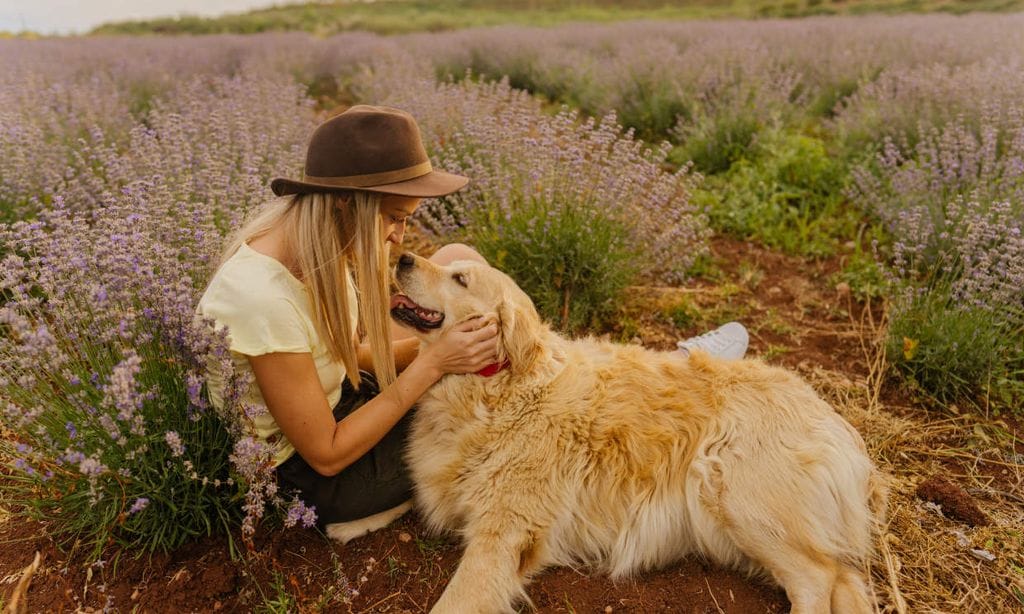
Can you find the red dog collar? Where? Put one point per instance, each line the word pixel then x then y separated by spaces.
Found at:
pixel 493 368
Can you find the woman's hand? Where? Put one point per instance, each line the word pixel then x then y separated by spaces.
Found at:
pixel 467 347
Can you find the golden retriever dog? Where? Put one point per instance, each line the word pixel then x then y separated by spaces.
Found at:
pixel 624 459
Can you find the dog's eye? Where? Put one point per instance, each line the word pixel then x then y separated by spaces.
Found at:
pixel 460 279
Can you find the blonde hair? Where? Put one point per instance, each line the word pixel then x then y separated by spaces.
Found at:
pixel 330 234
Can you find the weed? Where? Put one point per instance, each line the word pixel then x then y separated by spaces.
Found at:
pixel 279 601
pixel 862 272
pixel 394 567
pixel 705 267
pixel 773 351
pixel 627 328
pixel 750 275
pixel 830 96
pixel 683 314
pixel 431 546
pixel 776 324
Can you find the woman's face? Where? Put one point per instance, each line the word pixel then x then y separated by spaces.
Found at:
pixel 394 212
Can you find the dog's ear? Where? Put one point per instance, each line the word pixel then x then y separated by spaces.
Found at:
pixel 519 330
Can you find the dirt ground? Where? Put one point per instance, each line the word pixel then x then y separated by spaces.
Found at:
pixel 798 317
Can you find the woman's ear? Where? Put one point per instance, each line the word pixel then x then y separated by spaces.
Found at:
pixel 518 341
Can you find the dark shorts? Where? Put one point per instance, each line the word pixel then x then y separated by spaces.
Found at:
pixel 378 481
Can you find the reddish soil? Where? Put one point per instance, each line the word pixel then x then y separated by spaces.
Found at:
pixel 797 318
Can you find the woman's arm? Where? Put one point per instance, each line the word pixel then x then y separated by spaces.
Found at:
pixel 405 351
pixel 295 398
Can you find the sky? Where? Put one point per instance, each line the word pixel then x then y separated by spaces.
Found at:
pixel 79 16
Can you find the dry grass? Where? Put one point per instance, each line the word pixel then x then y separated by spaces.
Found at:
pixel 924 561
pixel 5 513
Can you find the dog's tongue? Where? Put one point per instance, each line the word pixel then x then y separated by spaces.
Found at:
pixel 401 300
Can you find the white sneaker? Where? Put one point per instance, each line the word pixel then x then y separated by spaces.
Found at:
pixel 728 341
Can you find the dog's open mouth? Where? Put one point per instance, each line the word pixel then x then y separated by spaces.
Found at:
pixel 405 310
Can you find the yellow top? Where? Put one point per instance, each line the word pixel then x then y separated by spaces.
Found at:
pixel 266 309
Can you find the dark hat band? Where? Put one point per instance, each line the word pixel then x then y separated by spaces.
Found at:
pixel 372 179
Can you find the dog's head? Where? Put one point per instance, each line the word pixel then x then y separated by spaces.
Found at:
pixel 434 298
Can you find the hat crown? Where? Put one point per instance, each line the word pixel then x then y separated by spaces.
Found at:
pixel 365 140
pixel 371 148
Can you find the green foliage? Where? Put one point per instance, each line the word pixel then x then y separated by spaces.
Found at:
pixel 830 95
pixel 572 260
pixel 956 352
pixel 789 197
pixel 864 276
pixel 714 144
pixel 684 314
pixel 862 269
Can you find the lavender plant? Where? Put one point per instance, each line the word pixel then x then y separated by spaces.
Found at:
pixel 113 439
pixel 955 204
pixel 571 207
pixel 116 441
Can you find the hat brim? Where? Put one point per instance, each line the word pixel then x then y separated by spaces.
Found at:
pixel 431 185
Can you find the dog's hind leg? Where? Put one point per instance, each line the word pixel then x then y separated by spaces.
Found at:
pixel 850 595
pixel 815 586
pixel 808 582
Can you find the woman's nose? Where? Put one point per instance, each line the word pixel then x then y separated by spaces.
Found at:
pixel 397 234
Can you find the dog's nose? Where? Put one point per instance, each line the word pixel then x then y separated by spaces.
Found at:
pixel 406 261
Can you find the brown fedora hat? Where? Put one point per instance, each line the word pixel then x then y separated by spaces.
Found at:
pixel 377 149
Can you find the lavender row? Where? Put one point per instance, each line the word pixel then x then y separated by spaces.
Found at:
pixel 127 161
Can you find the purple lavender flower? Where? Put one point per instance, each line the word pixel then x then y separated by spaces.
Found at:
pixel 299 512
pixel 174 443
pixel 138 505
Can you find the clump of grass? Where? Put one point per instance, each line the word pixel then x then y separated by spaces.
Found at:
pixel 956 352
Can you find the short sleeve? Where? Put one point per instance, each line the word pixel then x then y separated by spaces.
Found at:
pixel 259 317
pixel 265 326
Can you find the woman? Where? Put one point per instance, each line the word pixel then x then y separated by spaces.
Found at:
pixel 288 289
pixel 296 286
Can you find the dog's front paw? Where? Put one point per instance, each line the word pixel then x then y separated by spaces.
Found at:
pixel 345 532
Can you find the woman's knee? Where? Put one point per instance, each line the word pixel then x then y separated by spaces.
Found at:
pixel 452 252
